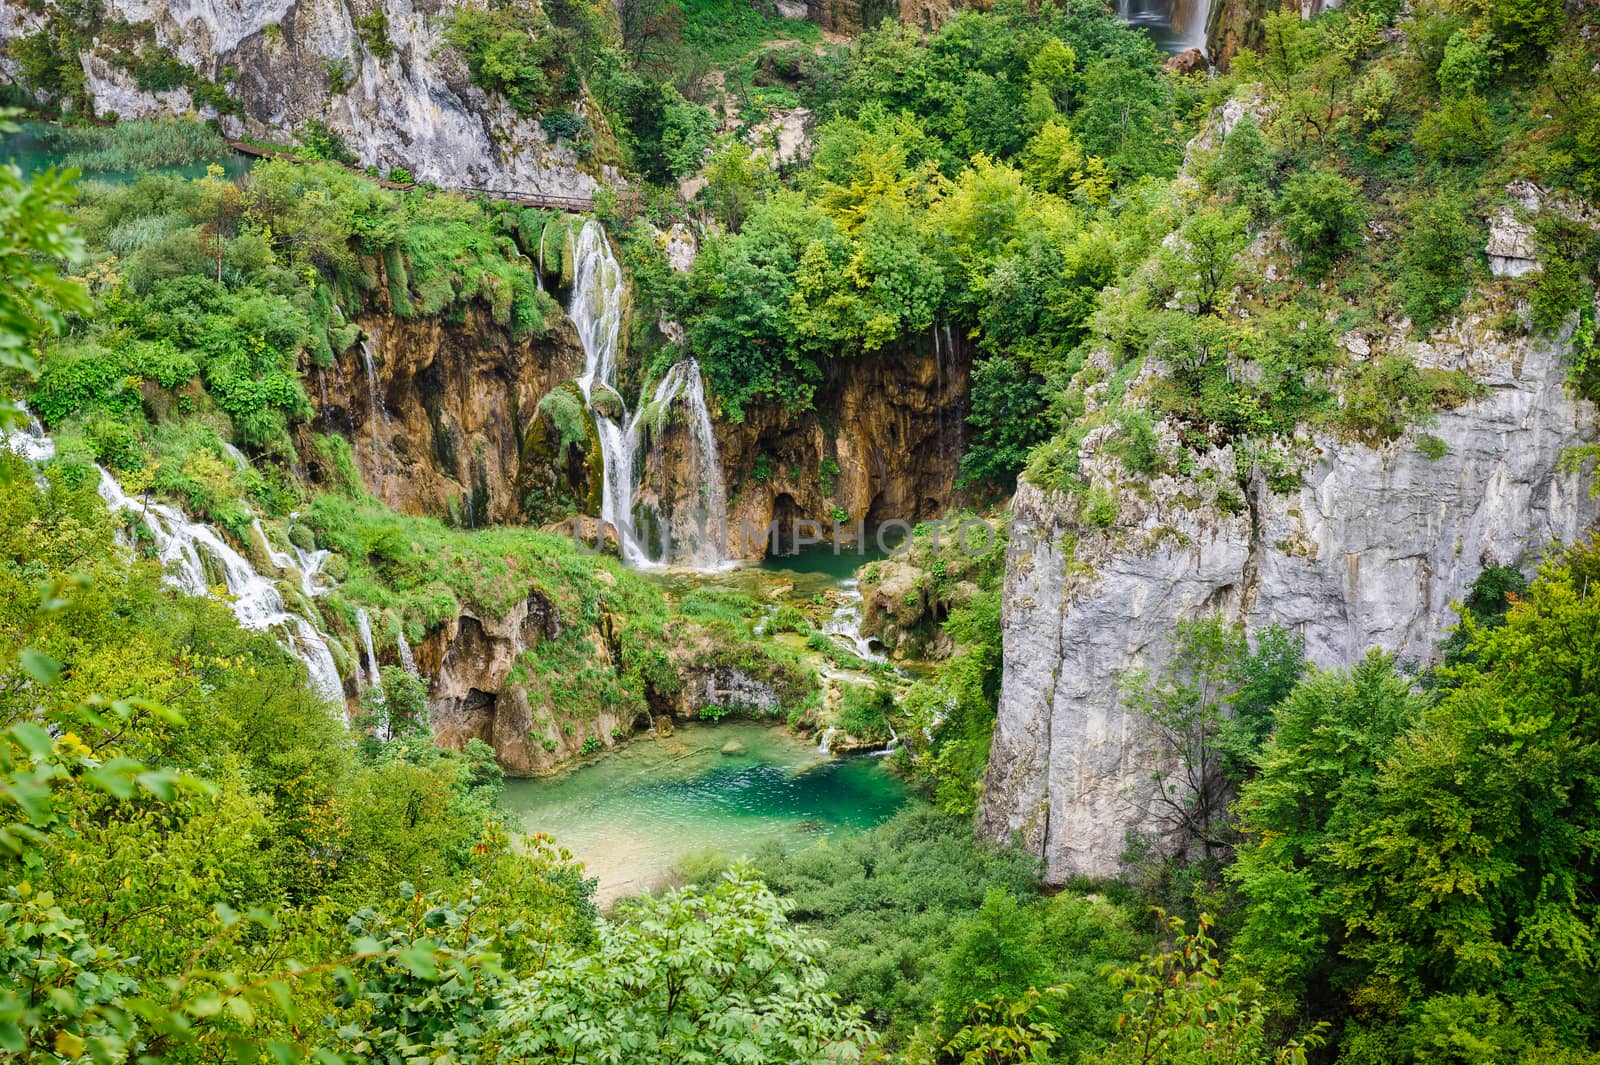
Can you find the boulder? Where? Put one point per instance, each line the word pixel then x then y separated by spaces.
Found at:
pixel 1188 61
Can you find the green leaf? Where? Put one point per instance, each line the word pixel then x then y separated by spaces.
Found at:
pixel 160 783
pixel 41 667
pixel 33 738
pixel 418 958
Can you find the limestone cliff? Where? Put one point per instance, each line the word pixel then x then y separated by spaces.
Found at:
pixel 883 443
pixel 437 412
pixel 1370 551
pixel 375 70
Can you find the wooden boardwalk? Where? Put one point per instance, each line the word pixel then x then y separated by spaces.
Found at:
pixel 519 197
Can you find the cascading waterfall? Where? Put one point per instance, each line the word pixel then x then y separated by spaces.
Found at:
pixel 596 309
pixel 192 554
pixel 195 557
pixel 1175 25
pixel 844 626
pixel 710 518
pixel 408 661
pixel 369 656
pixel 379 413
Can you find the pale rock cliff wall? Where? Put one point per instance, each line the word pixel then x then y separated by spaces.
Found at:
pixel 416 108
pixel 1370 551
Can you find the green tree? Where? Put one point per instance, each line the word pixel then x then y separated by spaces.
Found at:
pixel 695 975
pixel 36 236
pixel 1205 261
pixel 1181 1009
pixel 1322 215
pixel 1435 258
pixel 1497 785
pixel 995 954
pixel 1317 784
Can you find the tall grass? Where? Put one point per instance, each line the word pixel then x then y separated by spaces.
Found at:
pixel 138 144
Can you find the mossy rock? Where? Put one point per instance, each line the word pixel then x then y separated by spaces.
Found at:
pixel 607 403
pixel 733 747
pixel 302 537
pixel 336 568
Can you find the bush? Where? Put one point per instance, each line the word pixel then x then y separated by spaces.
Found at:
pixel 1464 70
pixel 1322 215
pixel 511 50
pixel 1243 170
pixel 865 713
pixel 1435 258
pixel 318 140
pixel 1566 282
pixel 1457 131
pixel 1386 395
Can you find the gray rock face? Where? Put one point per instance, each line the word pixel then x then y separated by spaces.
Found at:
pixel 1510 248
pixel 416 108
pixel 1369 552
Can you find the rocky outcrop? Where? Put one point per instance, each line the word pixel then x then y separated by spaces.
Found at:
pixel 1370 551
pixel 445 432
pixel 1233 26
pixel 472 694
pixel 883 443
pixel 377 71
pixel 853 16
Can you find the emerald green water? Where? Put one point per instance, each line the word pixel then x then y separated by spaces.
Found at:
pixel 821 560
pixel 634 814
pixel 33 150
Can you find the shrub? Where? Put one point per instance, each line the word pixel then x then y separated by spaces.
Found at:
pixel 1435 257
pixel 400 175
pixel 373 29
pixel 1458 131
pixel 787 618
pixel 1566 282
pixel 1100 507
pixel 1322 215
pixel 1464 70
pixel 1243 171
pixel 1386 395
pixel 511 50
pixel 318 140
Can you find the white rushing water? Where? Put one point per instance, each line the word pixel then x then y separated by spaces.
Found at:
pixel 596 309
pixel 408 661
pixel 195 558
pixel 844 626
pixel 369 656
pixel 1175 25
pixel 378 413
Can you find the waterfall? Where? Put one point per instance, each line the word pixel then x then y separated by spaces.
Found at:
pixel 845 625
pixel 370 657
pixel 1174 25
pixel 195 556
pixel 377 412
pixel 827 739
pixel 408 661
pixel 709 519
pixel 596 309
